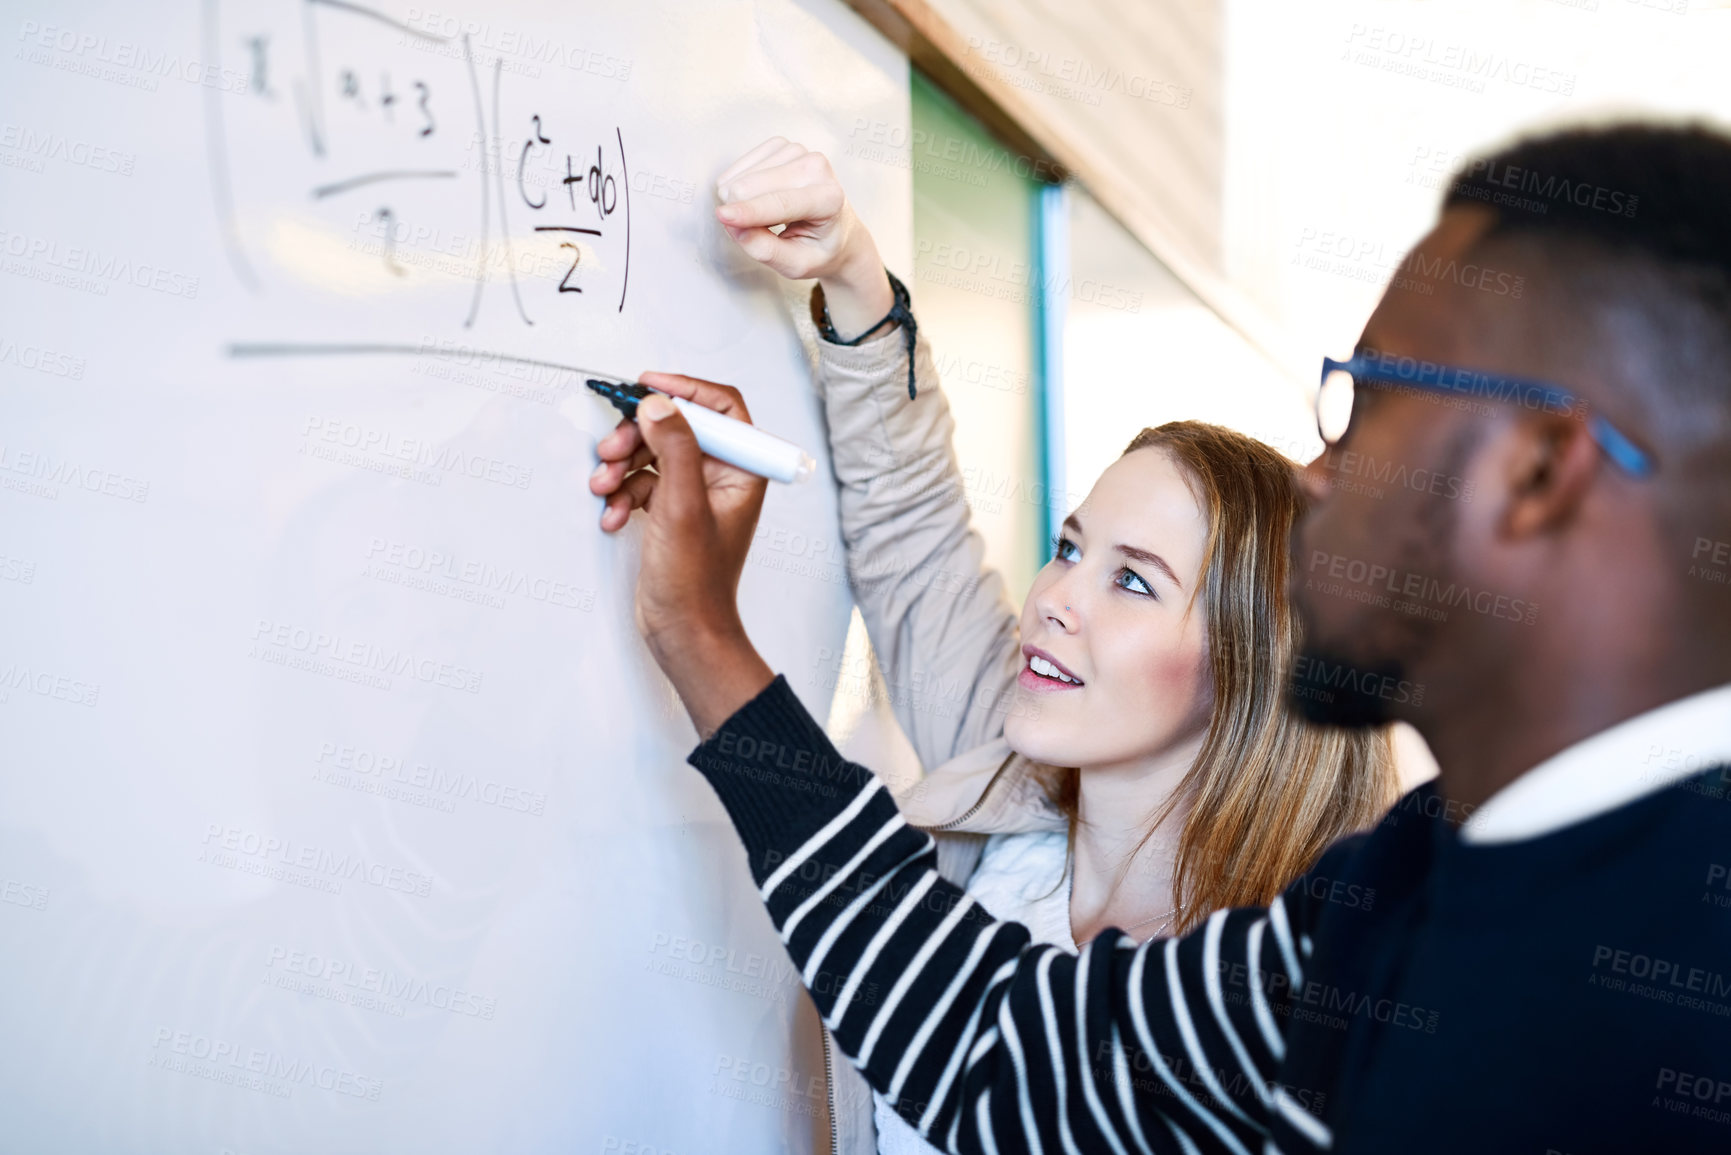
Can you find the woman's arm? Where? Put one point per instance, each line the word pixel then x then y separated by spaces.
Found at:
pixel 939 618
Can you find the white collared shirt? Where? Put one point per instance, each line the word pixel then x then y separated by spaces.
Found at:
pixel 1632 759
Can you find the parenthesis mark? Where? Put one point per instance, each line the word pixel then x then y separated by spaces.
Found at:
pixel 486 211
pixel 499 177
pixel 625 171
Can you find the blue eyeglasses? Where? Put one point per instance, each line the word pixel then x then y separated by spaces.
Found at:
pixel 1340 378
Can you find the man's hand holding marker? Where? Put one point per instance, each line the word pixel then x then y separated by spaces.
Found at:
pixel 785 208
pixel 699 515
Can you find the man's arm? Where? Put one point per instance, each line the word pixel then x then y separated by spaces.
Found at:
pixel 984 1042
pixel 980 1039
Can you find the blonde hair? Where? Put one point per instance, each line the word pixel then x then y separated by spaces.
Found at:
pixel 1269 791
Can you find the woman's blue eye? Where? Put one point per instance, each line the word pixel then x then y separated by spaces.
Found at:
pixel 1141 586
pixel 1063 549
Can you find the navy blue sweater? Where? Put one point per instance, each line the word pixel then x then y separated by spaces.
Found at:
pixel 1569 993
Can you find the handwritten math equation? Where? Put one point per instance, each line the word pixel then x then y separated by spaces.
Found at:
pixel 439 169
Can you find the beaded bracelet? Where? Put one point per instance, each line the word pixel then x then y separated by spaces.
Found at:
pixel 901 311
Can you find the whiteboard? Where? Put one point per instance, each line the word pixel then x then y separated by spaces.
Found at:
pixel 341 808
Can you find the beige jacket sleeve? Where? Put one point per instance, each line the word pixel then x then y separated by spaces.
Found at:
pixel 945 633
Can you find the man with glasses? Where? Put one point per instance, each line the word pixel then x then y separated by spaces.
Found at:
pixel 1532 953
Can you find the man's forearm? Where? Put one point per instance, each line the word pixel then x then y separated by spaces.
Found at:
pixel 829 851
pixel 715 672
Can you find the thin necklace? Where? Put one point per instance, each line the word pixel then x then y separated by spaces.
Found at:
pixel 1167 916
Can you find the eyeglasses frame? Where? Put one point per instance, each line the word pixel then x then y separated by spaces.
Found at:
pixel 1430 377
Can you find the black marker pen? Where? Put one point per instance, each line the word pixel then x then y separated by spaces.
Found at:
pixel 722 437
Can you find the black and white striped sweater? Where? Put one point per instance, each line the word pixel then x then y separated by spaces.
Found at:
pixel 1410 993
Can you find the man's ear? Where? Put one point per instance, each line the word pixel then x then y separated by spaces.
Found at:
pixel 1548 475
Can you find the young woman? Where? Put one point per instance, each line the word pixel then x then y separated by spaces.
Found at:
pixel 1120 754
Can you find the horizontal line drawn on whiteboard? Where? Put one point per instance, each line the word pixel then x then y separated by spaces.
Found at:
pixel 354 182
pixel 292 349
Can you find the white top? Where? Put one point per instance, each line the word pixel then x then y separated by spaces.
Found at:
pixel 1612 768
pixel 1012 880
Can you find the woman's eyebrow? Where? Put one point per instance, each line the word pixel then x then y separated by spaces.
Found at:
pixel 1152 559
pixel 1074 524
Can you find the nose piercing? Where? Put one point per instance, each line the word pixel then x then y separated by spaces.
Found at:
pixel 1066 607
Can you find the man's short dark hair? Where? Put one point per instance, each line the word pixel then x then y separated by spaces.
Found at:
pixel 1664 191
pixel 1635 221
